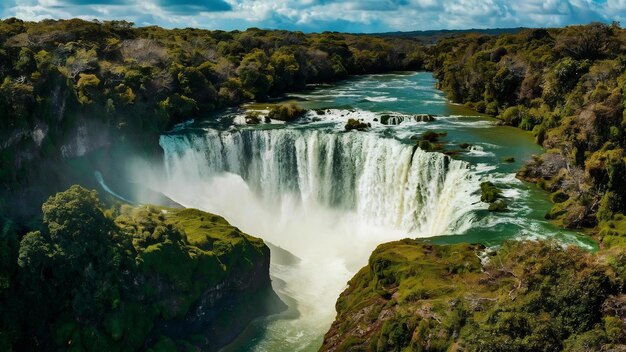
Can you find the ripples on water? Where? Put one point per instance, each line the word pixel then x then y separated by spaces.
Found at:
pixel 331 197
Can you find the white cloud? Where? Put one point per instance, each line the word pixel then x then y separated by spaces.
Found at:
pixel 319 15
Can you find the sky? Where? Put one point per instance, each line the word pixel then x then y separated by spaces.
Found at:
pixel 367 16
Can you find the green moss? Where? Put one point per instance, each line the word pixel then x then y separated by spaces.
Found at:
pixel 489 193
pixel 612 233
pixel 425 146
pixel 559 197
pixel 525 296
pixel 353 124
pixel 509 159
pixel 288 112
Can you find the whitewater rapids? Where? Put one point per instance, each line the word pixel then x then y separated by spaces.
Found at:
pixel 383 181
pixel 328 196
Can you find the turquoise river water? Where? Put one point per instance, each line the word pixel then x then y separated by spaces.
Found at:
pixel 329 197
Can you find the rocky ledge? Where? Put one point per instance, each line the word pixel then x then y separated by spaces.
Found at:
pixel 525 296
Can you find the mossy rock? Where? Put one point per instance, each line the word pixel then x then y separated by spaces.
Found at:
pixel 489 192
pixel 432 136
pixel 559 197
pixel 559 209
pixel 425 146
pixel 253 118
pixel 353 124
pixel 287 113
pixel 509 159
pixel 612 233
pixel 498 206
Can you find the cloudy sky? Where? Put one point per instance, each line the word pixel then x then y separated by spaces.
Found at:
pixel 322 15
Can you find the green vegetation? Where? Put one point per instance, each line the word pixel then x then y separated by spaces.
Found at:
pixel 491 194
pixel 509 159
pixel 567 86
pixel 132 278
pixel 72 87
pixel 288 112
pixel 118 279
pixel 527 296
pixel 429 141
pixel 353 124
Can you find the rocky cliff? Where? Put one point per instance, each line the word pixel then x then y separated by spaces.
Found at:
pixel 524 296
pixel 133 278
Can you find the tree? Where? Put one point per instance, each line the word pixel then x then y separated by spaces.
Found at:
pixel 76 249
pixel 285 68
pixel 254 73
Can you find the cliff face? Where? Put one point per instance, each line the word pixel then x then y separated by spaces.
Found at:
pixel 241 292
pixel 133 278
pixel 208 288
pixel 72 87
pixel 526 296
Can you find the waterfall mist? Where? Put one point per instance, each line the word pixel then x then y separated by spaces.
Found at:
pixel 329 198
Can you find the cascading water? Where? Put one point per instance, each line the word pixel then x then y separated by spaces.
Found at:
pixel 384 181
pixel 326 195
pixel 330 196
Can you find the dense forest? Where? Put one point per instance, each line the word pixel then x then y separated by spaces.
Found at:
pixel 524 296
pixel 74 88
pixel 567 86
pixel 99 277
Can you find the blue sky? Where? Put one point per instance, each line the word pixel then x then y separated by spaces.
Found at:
pixel 322 15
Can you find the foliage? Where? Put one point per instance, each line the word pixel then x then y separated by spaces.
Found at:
pixel 103 283
pixel 525 296
pixel 287 112
pixel 353 124
pixel 567 86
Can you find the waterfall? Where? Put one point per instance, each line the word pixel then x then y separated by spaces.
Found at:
pixel 382 180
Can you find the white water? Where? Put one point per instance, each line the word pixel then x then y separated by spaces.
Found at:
pixel 383 181
pixel 329 197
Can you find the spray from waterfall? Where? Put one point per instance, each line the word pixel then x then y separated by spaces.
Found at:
pixel 328 197
pixel 383 181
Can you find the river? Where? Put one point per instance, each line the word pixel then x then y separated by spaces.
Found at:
pixel 330 197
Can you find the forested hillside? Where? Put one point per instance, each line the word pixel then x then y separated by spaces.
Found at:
pixel 70 88
pixel 524 296
pixel 567 86
pixel 130 278
pixel 145 79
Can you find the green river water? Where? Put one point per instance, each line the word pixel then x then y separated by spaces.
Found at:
pixel 268 180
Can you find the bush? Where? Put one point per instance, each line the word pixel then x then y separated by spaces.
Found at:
pixel 492 109
pixel 353 124
pixel 489 192
pixel 286 112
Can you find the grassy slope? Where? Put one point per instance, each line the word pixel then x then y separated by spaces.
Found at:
pixel 529 296
pixel 211 256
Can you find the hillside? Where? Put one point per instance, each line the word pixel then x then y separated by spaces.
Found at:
pixel 431 37
pixel 567 86
pixel 525 296
pixel 131 278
